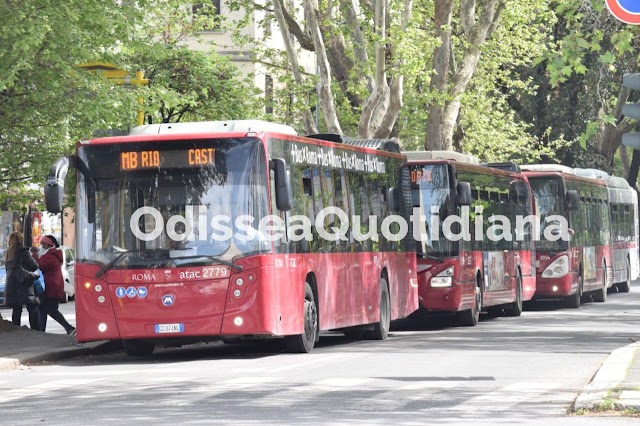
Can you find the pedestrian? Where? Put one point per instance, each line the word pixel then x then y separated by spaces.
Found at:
pixel 21 272
pixel 50 262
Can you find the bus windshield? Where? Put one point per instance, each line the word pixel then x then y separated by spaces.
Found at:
pixel 549 195
pixel 430 192
pixel 195 188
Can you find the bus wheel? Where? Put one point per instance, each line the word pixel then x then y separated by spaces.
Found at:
pixel 600 296
pixel 574 300
pixel 138 347
pixel 304 343
pixel 626 286
pixel 470 317
pixel 515 308
pixel 381 329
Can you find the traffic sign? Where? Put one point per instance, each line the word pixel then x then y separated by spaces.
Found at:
pixel 131 292
pixel 142 292
pixel 631 80
pixel 632 140
pixel 631 111
pixel 627 11
pixel 121 292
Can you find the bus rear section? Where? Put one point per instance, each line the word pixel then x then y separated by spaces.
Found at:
pixel 573 255
pixel 172 245
pixel 623 215
pixel 480 268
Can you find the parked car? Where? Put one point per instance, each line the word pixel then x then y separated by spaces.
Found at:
pixel 68 272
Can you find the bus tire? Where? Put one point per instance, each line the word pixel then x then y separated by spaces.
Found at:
pixel 304 343
pixel 600 296
pixel 470 317
pixel 625 287
pixel 515 308
pixel 138 347
pixel 381 328
pixel 574 301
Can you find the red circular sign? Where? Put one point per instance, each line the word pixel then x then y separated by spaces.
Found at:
pixel 627 11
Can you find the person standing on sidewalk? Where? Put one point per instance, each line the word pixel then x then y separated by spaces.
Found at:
pixel 50 262
pixel 21 272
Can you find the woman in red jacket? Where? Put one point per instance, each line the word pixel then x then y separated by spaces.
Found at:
pixel 50 263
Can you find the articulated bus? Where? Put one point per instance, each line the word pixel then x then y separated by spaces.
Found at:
pixel 576 267
pixel 489 270
pixel 171 244
pixel 623 217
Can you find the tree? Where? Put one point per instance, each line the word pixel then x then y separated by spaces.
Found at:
pixel 47 103
pixel 372 89
pixel 593 50
pixel 479 20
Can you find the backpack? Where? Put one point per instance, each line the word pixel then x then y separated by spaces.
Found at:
pixel 38 283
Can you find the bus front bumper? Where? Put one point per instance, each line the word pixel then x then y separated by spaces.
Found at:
pixel 550 288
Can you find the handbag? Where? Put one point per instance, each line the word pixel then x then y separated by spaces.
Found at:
pixel 39 284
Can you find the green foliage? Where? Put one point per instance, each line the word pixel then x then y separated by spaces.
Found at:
pixel 47 103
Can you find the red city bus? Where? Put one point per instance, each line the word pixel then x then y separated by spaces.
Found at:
pixel 168 245
pixel 623 217
pixel 580 267
pixel 481 272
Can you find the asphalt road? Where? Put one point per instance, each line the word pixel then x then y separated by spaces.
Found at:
pixel 525 370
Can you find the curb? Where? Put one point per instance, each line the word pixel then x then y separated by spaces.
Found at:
pixel 62 354
pixel 612 372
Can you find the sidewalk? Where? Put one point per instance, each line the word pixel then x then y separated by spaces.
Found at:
pixel 616 386
pixel 22 346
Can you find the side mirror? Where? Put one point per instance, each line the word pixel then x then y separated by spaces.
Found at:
pixel 54 185
pixel 463 190
pixel 572 199
pixel 284 197
pixel 392 199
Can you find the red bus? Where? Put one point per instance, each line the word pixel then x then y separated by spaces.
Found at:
pixel 623 217
pixel 482 272
pixel 168 246
pixel 578 267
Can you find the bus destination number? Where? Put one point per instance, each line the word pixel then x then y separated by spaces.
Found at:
pixel 418 176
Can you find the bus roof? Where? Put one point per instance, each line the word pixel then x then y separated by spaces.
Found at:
pixel 212 127
pixel 558 168
pixel 416 156
pixel 610 181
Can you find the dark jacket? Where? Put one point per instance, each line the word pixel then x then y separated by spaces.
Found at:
pixel 51 266
pixel 20 275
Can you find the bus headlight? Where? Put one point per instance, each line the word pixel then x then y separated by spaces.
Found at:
pixel 558 268
pixel 443 279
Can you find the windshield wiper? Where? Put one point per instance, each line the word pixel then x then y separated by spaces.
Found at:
pixel 115 260
pixel 431 257
pixel 214 258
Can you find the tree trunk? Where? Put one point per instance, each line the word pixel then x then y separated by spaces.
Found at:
pixel 434 139
pixel 309 122
pixel 624 156
pixel 325 95
pixel 442 120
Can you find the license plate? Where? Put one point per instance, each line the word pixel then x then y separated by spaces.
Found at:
pixel 170 328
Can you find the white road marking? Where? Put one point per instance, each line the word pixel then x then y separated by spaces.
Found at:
pixel 504 398
pixel 42 388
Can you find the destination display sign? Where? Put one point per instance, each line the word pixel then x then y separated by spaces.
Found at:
pixel 171 159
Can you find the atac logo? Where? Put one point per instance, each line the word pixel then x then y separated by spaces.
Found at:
pixel 627 11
